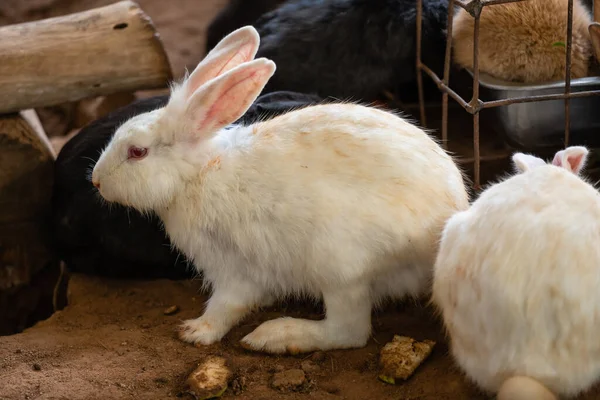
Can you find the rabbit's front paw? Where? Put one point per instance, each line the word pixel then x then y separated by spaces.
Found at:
pixel 294 335
pixel 200 331
pixel 286 335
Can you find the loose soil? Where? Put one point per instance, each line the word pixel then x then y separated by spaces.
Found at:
pixel 114 341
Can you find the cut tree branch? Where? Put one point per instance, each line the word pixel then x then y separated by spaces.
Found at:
pixel 92 53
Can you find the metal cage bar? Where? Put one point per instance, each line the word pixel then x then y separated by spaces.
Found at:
pixel 475 105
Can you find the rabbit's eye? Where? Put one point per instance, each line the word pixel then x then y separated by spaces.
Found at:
pixel 136 153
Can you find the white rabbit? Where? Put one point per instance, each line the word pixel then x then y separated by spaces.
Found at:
pixel 335 201
pixel 517 281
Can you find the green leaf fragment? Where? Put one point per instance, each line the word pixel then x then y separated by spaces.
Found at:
pixel 214 395
pixel 387 379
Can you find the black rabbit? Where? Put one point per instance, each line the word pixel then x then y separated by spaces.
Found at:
pixel 351 49
pixel 113 241
pixel 236 14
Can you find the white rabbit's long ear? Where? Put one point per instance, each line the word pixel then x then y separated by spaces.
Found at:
pixel 572 158
pixel 225 99
pixel 238 47
pixel 525 162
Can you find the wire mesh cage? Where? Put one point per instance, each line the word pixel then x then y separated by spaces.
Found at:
pixel 475 104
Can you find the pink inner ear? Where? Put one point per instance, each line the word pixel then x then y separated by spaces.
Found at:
pixel 240 56
pixel 220 66
pixel 575 162
pixel 231 98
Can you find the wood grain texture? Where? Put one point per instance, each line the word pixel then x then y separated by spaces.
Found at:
pixel 26 179
pixel 26 255
pixel 92 53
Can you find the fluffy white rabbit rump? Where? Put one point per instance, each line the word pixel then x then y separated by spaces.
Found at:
pixel 517 277
pixel 339 201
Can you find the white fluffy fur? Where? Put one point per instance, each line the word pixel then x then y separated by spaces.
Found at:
pixel 340 202
pixel 517 278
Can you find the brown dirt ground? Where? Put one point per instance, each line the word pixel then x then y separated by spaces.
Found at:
pixel 113 341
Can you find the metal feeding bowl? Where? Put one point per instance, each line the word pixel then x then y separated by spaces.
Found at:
pixel 541 123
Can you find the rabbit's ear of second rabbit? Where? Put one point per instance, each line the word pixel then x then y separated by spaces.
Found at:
pixel 572 158
pixel 238 47
pixel 223 100
pixel 525 162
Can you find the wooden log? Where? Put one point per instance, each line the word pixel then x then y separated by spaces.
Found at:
pixel 92 53
pixel 26 167
pixel 28 267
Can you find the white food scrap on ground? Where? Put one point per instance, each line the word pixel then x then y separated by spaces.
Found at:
pixel 400 358
pixel 210 379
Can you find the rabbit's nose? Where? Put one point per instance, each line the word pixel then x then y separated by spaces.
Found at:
pixel 96 184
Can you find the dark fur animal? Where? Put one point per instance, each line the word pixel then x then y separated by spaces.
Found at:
pixel 119 242
pixel 351 49
pixel 236 14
